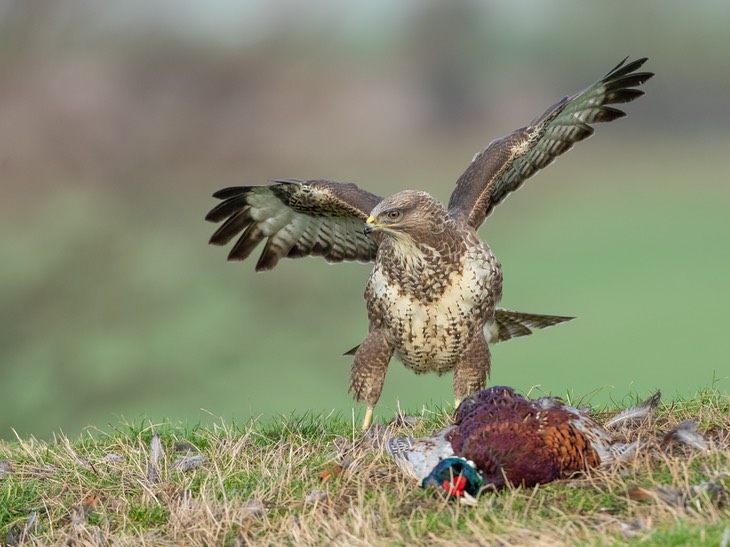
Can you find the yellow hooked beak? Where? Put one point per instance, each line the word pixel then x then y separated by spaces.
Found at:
pixel 370 225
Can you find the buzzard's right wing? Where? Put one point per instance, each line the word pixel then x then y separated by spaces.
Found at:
pixel 297 218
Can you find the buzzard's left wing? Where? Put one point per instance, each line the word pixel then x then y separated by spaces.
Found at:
pixel 505 164
pixel 297 218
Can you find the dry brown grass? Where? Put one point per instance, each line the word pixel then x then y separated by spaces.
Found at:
pixel 314 480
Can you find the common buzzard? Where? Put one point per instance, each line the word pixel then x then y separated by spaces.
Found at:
pixel 433 291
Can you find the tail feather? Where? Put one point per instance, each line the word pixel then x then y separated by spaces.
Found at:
pixel 513 324
pixel 351 351
pixel 636 414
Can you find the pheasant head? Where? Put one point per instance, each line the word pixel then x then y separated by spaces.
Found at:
pixel 456 476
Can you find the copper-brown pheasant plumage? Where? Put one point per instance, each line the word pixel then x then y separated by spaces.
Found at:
pixel 509 439
pixel 433 293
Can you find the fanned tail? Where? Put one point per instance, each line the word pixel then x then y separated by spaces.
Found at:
pixel 513 324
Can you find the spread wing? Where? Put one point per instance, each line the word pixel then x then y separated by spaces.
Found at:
pixel 297 218
pixel 505 164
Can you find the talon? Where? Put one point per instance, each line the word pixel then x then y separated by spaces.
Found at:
pixel 368 418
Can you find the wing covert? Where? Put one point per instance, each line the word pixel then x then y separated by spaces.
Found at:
pixel 296 218
pixel 504 165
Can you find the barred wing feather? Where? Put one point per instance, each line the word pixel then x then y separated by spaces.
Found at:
pixel 296 218
pixel 504 165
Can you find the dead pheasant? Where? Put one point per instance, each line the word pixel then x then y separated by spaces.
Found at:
pixel 500 438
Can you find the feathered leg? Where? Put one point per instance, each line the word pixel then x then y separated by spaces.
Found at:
pixel 368 370
pixel 472 369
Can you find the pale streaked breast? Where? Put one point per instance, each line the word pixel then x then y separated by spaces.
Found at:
pixel 429 336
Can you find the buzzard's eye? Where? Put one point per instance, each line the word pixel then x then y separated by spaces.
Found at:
pixel 393 214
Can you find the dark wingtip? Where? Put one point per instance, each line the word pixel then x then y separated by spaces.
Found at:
pixel 608 114
pixel 231 191
pixel 216 215
pixel 249 240
pixel 558 319
pixel 235 257
pixel 233 200
pixel 630 67
pixel 623 95
pixel 623 70
pixel 266 264
pixel 351 351
pixel 638 63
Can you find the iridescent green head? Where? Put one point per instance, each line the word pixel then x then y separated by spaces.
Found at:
pixel 456 476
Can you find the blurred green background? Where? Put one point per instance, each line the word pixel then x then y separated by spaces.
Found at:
pixel 119 120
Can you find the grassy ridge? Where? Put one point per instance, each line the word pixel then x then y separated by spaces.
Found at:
pixel 314 479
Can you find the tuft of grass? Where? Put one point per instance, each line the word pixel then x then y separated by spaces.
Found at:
pixel 313 479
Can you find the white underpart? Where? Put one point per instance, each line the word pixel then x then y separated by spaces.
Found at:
pixel 435 333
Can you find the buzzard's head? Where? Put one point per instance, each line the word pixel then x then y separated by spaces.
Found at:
pixel 407 214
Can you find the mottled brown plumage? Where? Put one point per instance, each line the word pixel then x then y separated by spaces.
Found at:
pixel 433 291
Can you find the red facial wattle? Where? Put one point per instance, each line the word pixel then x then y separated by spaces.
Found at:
pixel 456 486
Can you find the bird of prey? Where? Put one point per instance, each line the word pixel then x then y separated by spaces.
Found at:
pixel 500 438
pixel 433 292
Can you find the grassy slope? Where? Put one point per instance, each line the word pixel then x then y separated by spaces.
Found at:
pixel 262 483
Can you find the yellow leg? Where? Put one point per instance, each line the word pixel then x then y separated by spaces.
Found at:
pixel 368 418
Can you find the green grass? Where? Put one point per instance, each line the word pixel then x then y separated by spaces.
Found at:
pixel 262 482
